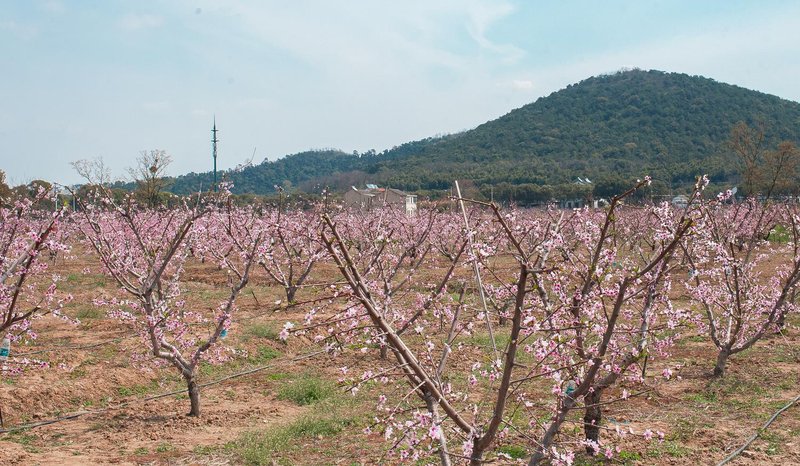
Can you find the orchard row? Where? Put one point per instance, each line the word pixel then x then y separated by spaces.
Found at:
pixel 572 303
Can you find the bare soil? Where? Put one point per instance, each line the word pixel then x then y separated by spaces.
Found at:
pixel 704 419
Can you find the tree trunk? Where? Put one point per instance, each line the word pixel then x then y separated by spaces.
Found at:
pixel 290 292
pixel 781 321
pixel 476 457
pixel 722 360
pixel 444 455
pixel 549 436
pixel 194 396
pixel 591 419
pixel 503 310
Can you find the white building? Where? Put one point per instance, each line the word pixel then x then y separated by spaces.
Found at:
pixel 374 196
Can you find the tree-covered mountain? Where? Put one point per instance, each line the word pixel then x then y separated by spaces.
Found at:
pixel 291 170
pixel 608 128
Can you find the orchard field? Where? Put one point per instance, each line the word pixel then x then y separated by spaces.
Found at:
pixel 210 333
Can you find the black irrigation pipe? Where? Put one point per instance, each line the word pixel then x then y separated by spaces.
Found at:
pixel 758 432
pixel 153 397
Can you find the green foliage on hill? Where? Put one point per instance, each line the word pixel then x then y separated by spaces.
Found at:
pixel 262 179
pixel 610 128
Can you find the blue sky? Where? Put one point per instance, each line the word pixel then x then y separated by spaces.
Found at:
pixel 107 78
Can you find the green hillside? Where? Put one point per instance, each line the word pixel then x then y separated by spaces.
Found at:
pixel 609 128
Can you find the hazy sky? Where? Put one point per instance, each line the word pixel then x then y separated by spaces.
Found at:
pixel 82 79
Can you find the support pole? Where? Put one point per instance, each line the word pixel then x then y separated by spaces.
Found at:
pixel 477 272
pixel 214 142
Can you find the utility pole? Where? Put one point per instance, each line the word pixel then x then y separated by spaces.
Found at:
pixel 214 142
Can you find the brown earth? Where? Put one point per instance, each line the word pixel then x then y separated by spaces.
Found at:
pixel 704 419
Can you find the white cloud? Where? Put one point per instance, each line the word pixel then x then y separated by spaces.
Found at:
pixel 752 55
pixel 522 84
pixel 400 39
pixel 358 74
pixel 434 64
pixel 53 7
pixel 136 22
pixel 482 16
pixel 21 30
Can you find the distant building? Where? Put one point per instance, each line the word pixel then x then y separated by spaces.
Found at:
pixel 580 202
pixel 680 201
pixel 362 199
pixel 374 196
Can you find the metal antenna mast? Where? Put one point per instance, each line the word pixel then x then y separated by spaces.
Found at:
pixel 214 141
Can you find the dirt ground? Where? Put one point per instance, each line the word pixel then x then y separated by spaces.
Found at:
pixel 704 419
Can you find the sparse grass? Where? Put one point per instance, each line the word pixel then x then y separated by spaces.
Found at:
pixel 90 361
pixel 210 370
pixel 137 389
pixel 735 392
pixel 78 279
pixel 265 330
pixel 697 338
pixel 21 437
pixel 781 354
pixel 586 460
pixel 669 448
pixel 266 447
pixel 89 313
pixel 96 426
pixel 514 451
pixel 141 451
pixel 204 449
pixel 306 390
pixel 262 355
pixel 746 404
pixel 703 397
pixel 773 440
pixel 779 235
pixel 629 457
pixel 212 294
pixel 25 439
pixel 683 429
pixel 483 340
pixel 164 447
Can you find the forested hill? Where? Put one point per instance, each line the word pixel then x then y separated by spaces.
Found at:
pixel 609 128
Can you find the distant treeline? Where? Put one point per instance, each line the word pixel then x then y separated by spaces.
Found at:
pixel 611 129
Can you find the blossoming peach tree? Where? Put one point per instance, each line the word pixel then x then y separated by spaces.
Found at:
pixel 744 283
pixel 587 305
pixel 146 250
pixel 27 292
